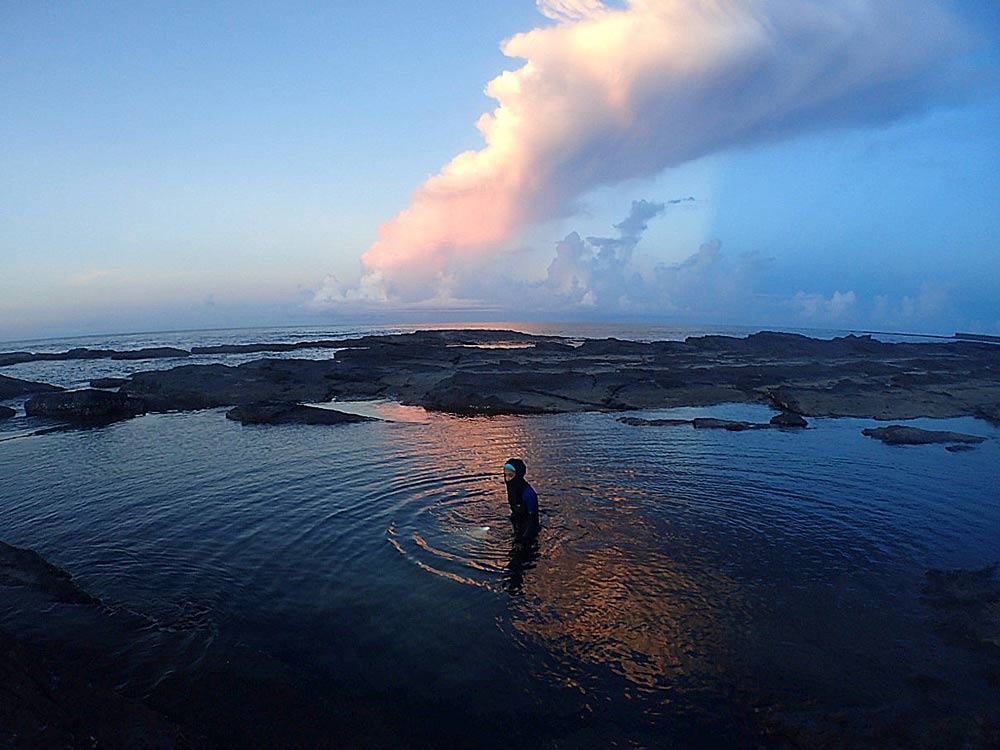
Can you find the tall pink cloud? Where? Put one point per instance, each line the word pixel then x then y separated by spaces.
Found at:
pixel 610 93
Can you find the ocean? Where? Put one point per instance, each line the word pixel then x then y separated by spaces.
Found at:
pixel 356 585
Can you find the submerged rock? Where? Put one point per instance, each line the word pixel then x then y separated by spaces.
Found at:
pixel 50 705
pixel 86 406
pixel 960 448
pixel 291 413
pixel 901 435
pixel 639 422
pixel 711 423
pixel 25 568
pixel 6 412
pixel 968 605
pixel 13 387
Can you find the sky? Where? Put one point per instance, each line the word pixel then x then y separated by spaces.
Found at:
pixel 779 163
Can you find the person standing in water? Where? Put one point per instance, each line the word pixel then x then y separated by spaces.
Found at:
pixel 523 501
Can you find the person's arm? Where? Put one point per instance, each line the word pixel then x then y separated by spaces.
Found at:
pixel 530 504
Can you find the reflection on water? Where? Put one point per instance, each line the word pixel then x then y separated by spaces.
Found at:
pixel 681 578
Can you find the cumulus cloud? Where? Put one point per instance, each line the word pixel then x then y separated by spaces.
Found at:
pixel 819 309
pixel 611 93
pixel 602 276
pixel 924 308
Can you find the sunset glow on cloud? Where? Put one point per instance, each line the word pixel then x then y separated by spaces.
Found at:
pixel 607 94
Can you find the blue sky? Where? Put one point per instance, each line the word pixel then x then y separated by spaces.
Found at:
pixel 202 165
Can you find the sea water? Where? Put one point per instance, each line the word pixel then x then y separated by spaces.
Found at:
pixel 357 585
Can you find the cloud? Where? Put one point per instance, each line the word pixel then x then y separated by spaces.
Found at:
pixel 603 276
pixel 90 277
pixel 925 308
pixel 819 309
pixel 612 93
pixel 570 10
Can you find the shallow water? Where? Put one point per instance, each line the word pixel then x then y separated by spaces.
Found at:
pixel 361 578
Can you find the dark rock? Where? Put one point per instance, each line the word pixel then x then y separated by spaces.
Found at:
pixel 788 419
pixel 26 568
pixel 15 358
pixel 962 586
pixel 290 413
pixel 968 605
pixel 108 382
pixel 900 435
pixel 46 705
pixel 162 352
pixel 12 387
pixel 961 448
pixel 710 423
pixel 86 406
pixel 477 372
pixel 639 422
pixel 6 412
pixel 189 387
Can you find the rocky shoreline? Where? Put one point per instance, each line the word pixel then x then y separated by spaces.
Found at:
pixel 502 372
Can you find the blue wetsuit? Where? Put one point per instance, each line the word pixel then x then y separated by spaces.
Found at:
pixel 524 515
pixel 523 503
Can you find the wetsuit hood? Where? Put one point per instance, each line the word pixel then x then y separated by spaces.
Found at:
pixel 515 487
pixel 519 468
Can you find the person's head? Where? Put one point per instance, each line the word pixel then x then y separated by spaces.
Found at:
pixel 514 469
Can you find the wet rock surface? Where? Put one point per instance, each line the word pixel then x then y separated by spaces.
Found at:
pixel 902 435
pixel 86 407
pixel 16 358
pixel 13 387
pixel 6 412
pixel 711 423
pixel 291 413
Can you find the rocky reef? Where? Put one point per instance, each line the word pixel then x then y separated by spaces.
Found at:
pixel 87 406
pixel 503 372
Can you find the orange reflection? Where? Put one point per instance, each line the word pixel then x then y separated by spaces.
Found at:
pixel 600 589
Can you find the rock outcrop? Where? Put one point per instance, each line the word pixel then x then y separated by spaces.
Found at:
pixel 87 406
pixel 501 372
pixel 788 419
pixel 291 413
pixel 712 423
pixel 13 387
pixel 6 412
